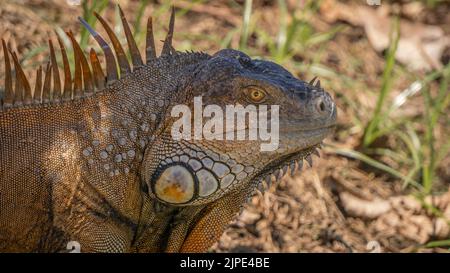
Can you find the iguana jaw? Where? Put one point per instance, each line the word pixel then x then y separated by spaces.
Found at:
pixel 291 161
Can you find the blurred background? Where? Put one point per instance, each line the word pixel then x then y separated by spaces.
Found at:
pixel 382 182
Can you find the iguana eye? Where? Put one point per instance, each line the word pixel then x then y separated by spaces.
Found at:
pixel 255 94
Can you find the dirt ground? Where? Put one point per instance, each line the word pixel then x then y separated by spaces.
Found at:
pixel 338 205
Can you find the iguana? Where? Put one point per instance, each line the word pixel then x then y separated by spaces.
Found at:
pixel 91 158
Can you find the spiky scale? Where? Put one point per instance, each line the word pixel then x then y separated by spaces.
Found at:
pixel 45 94
pixel 318 84
pixel 316 152
pixel 86 72
pixel 9 92
pixel 120 53
pixel 150 50
pixel 23 94
pixel 261 188
pixel 167 47
pixel 268 180
pixel 97 71
pixel 299 165
pixel 276 173
pixel 56 79
pixel 18 89
pixel 77 78
pixel 67 93
pixel 309 159
pixel 312 81
pixel 280 174
pixel 38 85
pixel 134 51
pixel 293 167
pixel 111 66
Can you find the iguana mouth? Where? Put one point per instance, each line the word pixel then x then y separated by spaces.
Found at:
pixel 292 161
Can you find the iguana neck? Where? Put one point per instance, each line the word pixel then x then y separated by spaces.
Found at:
pixel 128 114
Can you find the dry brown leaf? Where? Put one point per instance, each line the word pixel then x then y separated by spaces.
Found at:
pixel 420 46
pixel 362 208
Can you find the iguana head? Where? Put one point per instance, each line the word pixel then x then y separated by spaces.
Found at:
pixel 205 164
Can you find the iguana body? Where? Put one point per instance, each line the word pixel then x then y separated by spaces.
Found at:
pixel 82 166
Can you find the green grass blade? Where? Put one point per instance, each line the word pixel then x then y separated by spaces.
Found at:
pixel 373 125
pixel 88 15
pixel 376 164
pixel 246 24
pixel 140 12
pixel 442 243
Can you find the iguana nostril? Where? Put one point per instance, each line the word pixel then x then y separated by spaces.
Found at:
pixel 320 105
